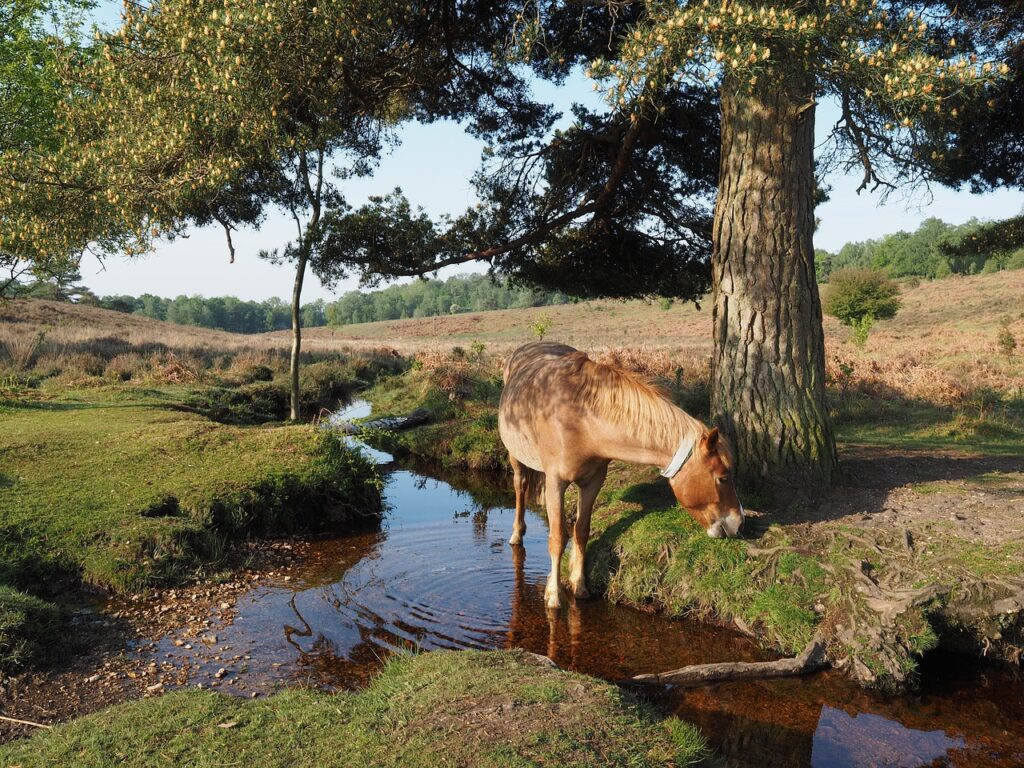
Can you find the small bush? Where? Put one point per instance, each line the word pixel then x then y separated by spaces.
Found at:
pixel 541 326
pixel 1006 341
pixel 1016 260
pixel 858 297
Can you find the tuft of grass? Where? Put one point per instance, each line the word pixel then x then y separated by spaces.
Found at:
pixel 27 625
pixel 443 708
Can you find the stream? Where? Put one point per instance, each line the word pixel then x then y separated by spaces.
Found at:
pixel 439 573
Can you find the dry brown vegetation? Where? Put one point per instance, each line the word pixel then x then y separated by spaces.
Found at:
pixel 942 344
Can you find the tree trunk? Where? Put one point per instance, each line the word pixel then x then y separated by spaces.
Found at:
pixel 300 273
pixel 768 368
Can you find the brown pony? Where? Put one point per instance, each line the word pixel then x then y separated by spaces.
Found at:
pixel 563 418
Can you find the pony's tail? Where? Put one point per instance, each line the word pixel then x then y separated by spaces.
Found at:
pixel 533 485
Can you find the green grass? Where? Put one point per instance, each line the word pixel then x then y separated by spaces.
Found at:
pixel 463 426
pixel 438 709
pixel 996 431
pixel 121 488
pixel 663 557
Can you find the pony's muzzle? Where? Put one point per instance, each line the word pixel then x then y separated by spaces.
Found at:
pixel 728 526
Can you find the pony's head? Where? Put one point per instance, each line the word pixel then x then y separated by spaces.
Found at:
pixel 706 488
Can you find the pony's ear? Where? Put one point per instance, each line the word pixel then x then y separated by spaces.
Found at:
pixel 710 441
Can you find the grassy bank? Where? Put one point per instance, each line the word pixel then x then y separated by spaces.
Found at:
pixel 461 393
pixel 128 461
pixel 437 709
pixel 121 488
pixel 881 587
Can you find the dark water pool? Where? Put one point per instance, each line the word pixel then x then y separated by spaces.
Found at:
pixel 440 574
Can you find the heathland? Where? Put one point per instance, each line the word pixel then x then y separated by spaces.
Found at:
pixel 137 453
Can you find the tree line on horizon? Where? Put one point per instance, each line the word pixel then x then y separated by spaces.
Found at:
pixel 420 298
pixel 936 249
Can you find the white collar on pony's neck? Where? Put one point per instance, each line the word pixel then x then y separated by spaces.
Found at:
pixel 682 455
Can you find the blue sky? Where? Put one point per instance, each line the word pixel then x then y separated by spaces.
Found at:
pixel 433 165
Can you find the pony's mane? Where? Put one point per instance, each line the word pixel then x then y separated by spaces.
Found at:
pixel 628 400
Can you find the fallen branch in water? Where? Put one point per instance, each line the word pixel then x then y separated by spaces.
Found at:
pixel 24 722
pixel 388 423
pixel 812 658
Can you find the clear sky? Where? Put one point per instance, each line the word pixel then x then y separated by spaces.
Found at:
pixel 433 165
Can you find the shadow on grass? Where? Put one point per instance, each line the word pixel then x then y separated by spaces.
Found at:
pixel 870 473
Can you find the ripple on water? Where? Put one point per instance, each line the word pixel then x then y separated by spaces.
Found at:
pixel 440 575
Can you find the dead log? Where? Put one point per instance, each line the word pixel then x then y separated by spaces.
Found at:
pixel 811 659
pixel 387 423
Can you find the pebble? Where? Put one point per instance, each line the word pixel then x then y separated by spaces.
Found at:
pixel 92 678
pixel 155 687
pixel 220 673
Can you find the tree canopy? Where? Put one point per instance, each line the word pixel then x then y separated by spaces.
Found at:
pixel 935 249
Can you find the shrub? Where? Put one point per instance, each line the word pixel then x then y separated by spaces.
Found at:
pixel 990 266
pixel 1016 260
pixel 1006 341
pixel 856 294
pixel 541 326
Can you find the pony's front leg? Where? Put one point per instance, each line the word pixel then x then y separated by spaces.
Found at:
pixel 554 492
pixel 589 489
pixel 519 483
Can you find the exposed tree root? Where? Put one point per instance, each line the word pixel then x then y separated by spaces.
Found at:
pixel 811 659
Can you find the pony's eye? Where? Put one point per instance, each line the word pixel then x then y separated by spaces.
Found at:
pixel 723 479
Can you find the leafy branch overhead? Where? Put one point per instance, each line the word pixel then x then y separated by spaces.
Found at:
pixel 606 207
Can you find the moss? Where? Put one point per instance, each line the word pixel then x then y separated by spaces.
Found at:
pixel 438 709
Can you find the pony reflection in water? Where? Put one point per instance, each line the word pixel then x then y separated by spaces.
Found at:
pixel 563 418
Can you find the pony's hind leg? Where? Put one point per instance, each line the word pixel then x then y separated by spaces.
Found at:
pixel 589 488
pixel 519 483
pixel 554 492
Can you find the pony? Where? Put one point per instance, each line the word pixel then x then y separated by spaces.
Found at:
pixel 563 418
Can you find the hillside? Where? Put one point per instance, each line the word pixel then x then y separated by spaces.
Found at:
pixel 951 324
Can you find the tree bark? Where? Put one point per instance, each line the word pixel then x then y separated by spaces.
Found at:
pixel 300 273
pixel 768 367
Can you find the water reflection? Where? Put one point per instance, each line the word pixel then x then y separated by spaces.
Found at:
pixel 439 574
pixel 845 741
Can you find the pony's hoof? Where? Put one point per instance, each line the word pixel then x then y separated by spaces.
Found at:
pixel 580 591
pixel 551 599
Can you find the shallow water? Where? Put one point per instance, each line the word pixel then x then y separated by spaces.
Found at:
pixel 440 574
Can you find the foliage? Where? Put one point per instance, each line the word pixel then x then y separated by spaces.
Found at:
pixel 1006 341
pixel 427 298
pixel 861 328
pixel 225 313
pixel 858 297
pixel 31 34
pixel 936 249
pixel 414 714
pixel 541 326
